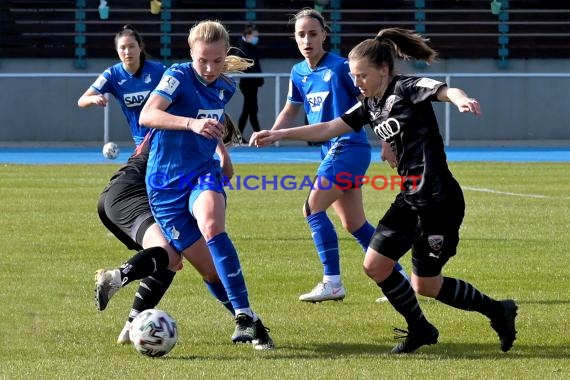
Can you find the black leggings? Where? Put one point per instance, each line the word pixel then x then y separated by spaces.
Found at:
pixel 249 109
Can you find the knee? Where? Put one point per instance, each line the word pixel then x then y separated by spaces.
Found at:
pixel 310 208
pixel 369 270
pixel 424 288
pixel 376 272
pixel 211 228
pixel 421 289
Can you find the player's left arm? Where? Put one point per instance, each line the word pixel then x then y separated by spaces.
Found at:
pixel 458 97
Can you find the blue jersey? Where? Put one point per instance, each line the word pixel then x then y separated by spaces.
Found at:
pixel 130 91
pixel 326 92
pixel 180 156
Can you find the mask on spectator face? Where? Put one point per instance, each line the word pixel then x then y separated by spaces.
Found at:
pixel 254 40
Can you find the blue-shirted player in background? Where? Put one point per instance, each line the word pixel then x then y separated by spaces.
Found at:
pixel 321 83
pixel 129 81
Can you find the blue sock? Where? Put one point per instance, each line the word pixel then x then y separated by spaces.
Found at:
pixel 219 292
pixel 398 267
pixel 326 242
pixel 227 264
pixel 364 234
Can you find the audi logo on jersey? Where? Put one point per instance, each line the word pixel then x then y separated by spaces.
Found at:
pixel 387 129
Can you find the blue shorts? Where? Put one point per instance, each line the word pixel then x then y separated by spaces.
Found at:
pixel 172 208
pixel 343 162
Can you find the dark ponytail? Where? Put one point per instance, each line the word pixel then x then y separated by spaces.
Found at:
pixel 393 42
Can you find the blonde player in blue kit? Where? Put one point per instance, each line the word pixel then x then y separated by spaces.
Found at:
pixel 184 181
pixel 321 84
pixel 123 205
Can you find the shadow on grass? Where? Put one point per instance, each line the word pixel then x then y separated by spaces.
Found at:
pixel 505 240
pixel 449 351
pixel 543 302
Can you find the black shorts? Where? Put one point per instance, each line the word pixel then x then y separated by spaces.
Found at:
pixel 432 232
pixel 124 209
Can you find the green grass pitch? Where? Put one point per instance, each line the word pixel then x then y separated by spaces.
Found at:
pixel 514 244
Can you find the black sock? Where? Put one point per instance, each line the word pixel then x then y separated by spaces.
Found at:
pixel 151 290
pixel 144 263
pixel 462 295
pixel 401 295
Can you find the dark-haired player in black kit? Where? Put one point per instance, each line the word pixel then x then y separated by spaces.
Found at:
pixel 425 215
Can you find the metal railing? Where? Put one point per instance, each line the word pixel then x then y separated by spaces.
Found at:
pixel 449 78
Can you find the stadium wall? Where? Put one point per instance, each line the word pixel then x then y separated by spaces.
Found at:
pixel 531 110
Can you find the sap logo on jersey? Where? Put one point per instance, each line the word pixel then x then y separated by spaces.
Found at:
pixel 135 99
pixel 316 100
pixel 210 114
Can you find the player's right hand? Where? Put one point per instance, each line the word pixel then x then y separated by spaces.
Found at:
pixel 209 128
pixel 100 100
pixel 387 154
pixel 262 138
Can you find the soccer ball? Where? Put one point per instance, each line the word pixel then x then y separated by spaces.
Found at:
pixel 153 332
pixel 110 150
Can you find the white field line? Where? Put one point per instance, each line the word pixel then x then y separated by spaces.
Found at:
pixel 255 158
pixel 539 196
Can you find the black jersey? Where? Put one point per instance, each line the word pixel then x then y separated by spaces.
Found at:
pixel 134 170
pixel 404 117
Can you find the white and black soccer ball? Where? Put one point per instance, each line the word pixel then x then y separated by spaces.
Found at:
pixel 110 150
pixel 153 332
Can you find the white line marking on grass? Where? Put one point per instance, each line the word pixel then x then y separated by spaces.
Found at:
pixel 256 159
pixel 539 196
